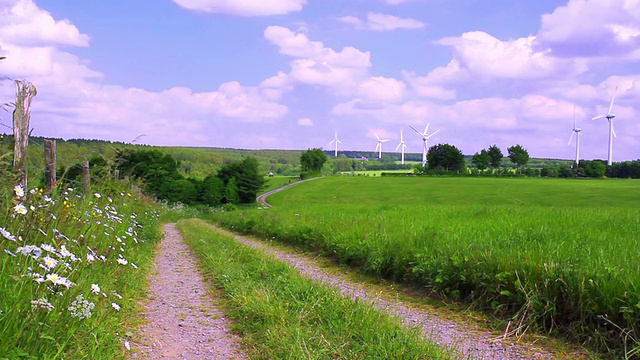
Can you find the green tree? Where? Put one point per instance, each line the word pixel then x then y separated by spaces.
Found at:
pixel 247 178
pixel 211 191
pixel 496 156
pixel 182 191
pixel 151 166
pixel 481 160
pixel 312 160
pixel 231 192
pixel 445 156
pixel 519 156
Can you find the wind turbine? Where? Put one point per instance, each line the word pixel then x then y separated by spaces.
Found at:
pixel 336 141
pixel 425 137
pixel 379 146
pixel 609 116
pixel 576 131
pixel 402 145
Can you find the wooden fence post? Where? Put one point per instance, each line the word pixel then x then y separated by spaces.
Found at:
pixel 25 91
pixel 86 178
pixel 50 164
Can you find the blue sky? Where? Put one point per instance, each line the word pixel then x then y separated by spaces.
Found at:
pixel 288 74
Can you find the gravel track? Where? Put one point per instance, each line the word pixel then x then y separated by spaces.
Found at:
pixel 467 341
pixel 182 322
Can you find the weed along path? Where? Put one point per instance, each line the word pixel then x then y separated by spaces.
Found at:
pixel 466 340
pixel 182 322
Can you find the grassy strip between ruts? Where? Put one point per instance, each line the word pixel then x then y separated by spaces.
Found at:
pixel 282 315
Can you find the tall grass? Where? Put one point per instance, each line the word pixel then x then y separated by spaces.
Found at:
pixel 283 315
pixel 73 268
pixel 518 248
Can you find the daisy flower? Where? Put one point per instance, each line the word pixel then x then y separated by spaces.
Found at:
pixel 115 306
pixel 20 209
pixel 95 288
pixel 19 190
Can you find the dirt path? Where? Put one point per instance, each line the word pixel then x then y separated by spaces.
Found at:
pixel 182 323
pixel 262 199
pixel 468 341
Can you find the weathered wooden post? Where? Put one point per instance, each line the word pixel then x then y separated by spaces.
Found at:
pixel 50 164
pixel 86 178
pixel 116 174
pixel 25 91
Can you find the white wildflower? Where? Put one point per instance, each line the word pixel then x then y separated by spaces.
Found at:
pixel 41 304
pixel 6 234
pixel 122 261
pixel 81 308
pixel 95 288
pixel 20 209
pixel 49 262
pixel 19 190
pixel 115 306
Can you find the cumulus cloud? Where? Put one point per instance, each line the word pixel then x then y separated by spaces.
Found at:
pixel 486 55
pixel 316 64
pixel 244 7
pixel 23 23
pixel 592 28
pixel 382 22
pixel 305 122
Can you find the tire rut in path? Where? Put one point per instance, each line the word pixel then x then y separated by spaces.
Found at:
pixel 467 341
pixel 182 322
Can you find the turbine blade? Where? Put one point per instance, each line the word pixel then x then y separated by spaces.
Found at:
pixel 574 117
pixel 414 129
pixel 376 136
pixel 613 131
pixel 611 105
pixel 571 138
pixel 398 147
pixel 599 117
pixel 435 132
pixel 426 129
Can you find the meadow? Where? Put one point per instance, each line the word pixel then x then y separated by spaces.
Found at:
pixel 283 315
pixel 74 269
pixel 557 256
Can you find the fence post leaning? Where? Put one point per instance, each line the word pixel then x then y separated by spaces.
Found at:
pixel 50 164
pixel 25 91
pixel 86 178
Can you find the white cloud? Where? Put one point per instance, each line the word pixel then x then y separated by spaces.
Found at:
pixel 485 55
pixel 305 122
pixel 316 64
pixel 23 23
pixel 592 28
pixel 244 7
pixel 381 89
pixel 382 22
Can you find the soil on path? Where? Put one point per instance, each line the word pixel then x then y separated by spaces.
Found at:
pixel 182 321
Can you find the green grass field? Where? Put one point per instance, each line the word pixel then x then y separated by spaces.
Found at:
pixel 558 255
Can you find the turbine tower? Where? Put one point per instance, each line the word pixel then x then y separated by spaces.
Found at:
pixel 425 138
pixel 401 145
pixel 609 116
pixel 576 131
pixel 379 146
pixel 336 141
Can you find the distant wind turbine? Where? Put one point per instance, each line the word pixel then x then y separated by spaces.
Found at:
pixel 609 116
pixel 336 141
pixel 379 146
pixel 402 145
pixel 576 131
pixel 425 138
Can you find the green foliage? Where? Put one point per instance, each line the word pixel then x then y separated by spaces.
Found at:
pixel 183 191
pixel 312 160
pixel 231 192
pixel 481 160
pixel 151 166
pixel 519 156
pixel 496 156
pixel 211 191
pixel 73 268
pixel 283 315
pixel 445 156
pixel 248 180
pixel 554 265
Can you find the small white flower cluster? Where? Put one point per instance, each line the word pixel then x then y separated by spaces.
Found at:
pixel 81 308
pixel 41 304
